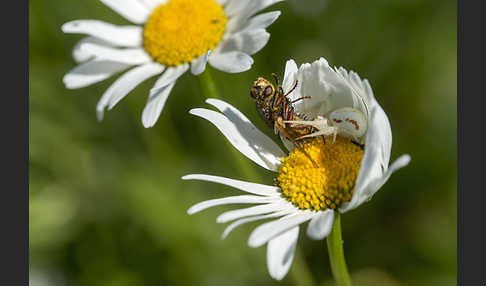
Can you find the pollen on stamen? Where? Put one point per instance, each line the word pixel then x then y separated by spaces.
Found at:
pixel 179 31
pixel 327 186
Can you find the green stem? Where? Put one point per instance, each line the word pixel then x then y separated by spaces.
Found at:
pixel 299 271
pixel 208 87
pixel 336 254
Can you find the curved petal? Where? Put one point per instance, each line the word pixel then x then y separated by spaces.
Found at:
pixel 245 137
pixel 252 211
pixel 231 62
pixel 327 89
pixel 127 36
pixel 132 10
pixel 261 21
pixel 291 70
pixel 244 199
pixel 376 156
pixel 155 104
pixel 280 253
pixel 320 226
pixel 132 56
pixel 235 115
pixel 124 84
pixel 234 8
pixel 288 211
pixel 246 9
pixel 92 72
pixel 82 55
pixel 360 89
pixel 267 231
pixel 169 76
pixel 399 163
pixel 252 188
pixel 248 42
pixel 374 185
pixel 199 65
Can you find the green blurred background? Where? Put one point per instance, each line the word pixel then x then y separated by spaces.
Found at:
pixel 108 207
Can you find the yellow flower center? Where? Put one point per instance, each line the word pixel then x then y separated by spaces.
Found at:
pixel 327 186
pixel 181 30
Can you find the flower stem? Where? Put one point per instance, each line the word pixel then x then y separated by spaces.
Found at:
pixel 336 254
pixel 208 87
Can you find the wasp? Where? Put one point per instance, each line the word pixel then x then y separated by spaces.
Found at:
pixel 277 111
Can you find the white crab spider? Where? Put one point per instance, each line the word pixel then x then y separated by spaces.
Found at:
pixel 347 122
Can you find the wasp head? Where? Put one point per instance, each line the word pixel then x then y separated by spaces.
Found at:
pixel 262 89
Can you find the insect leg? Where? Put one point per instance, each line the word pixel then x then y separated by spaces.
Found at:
pixel 300 98
pixel 293 88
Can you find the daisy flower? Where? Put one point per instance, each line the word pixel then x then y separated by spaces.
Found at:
pixel 348 174
pixel 168 37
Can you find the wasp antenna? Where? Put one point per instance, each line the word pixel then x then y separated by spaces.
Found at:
pixel 274 75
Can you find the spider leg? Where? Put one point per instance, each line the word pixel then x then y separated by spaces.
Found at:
pixel 297 145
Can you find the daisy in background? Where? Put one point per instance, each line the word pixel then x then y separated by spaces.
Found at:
pixel 348 173
pixel 169 38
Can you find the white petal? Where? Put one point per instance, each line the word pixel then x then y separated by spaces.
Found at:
pixel 265 145
pixel 263 233
pixel 152 4
pixel 280 253
pixel 373 170
pixel 245 137
pixel 252 211
pixel 374 186
pixel 252 188
pixel 360 90
pixel 261 21
pixel 326 87
pixel 199 65
pixel 159 94
pixel 291 70
pixel 235 7
pixel 92 72
pixel 170 76
pixel 368 92
pixel 232 62
pixel 155 104
pixel 248 42
pixel 246 9
pixel 127 36
pixel 320 226
pixel 376 155
pixel 132 56
pixel 239 222
pixel 132 10
pixel 124 84
pixel 82 55
pixel 244 199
